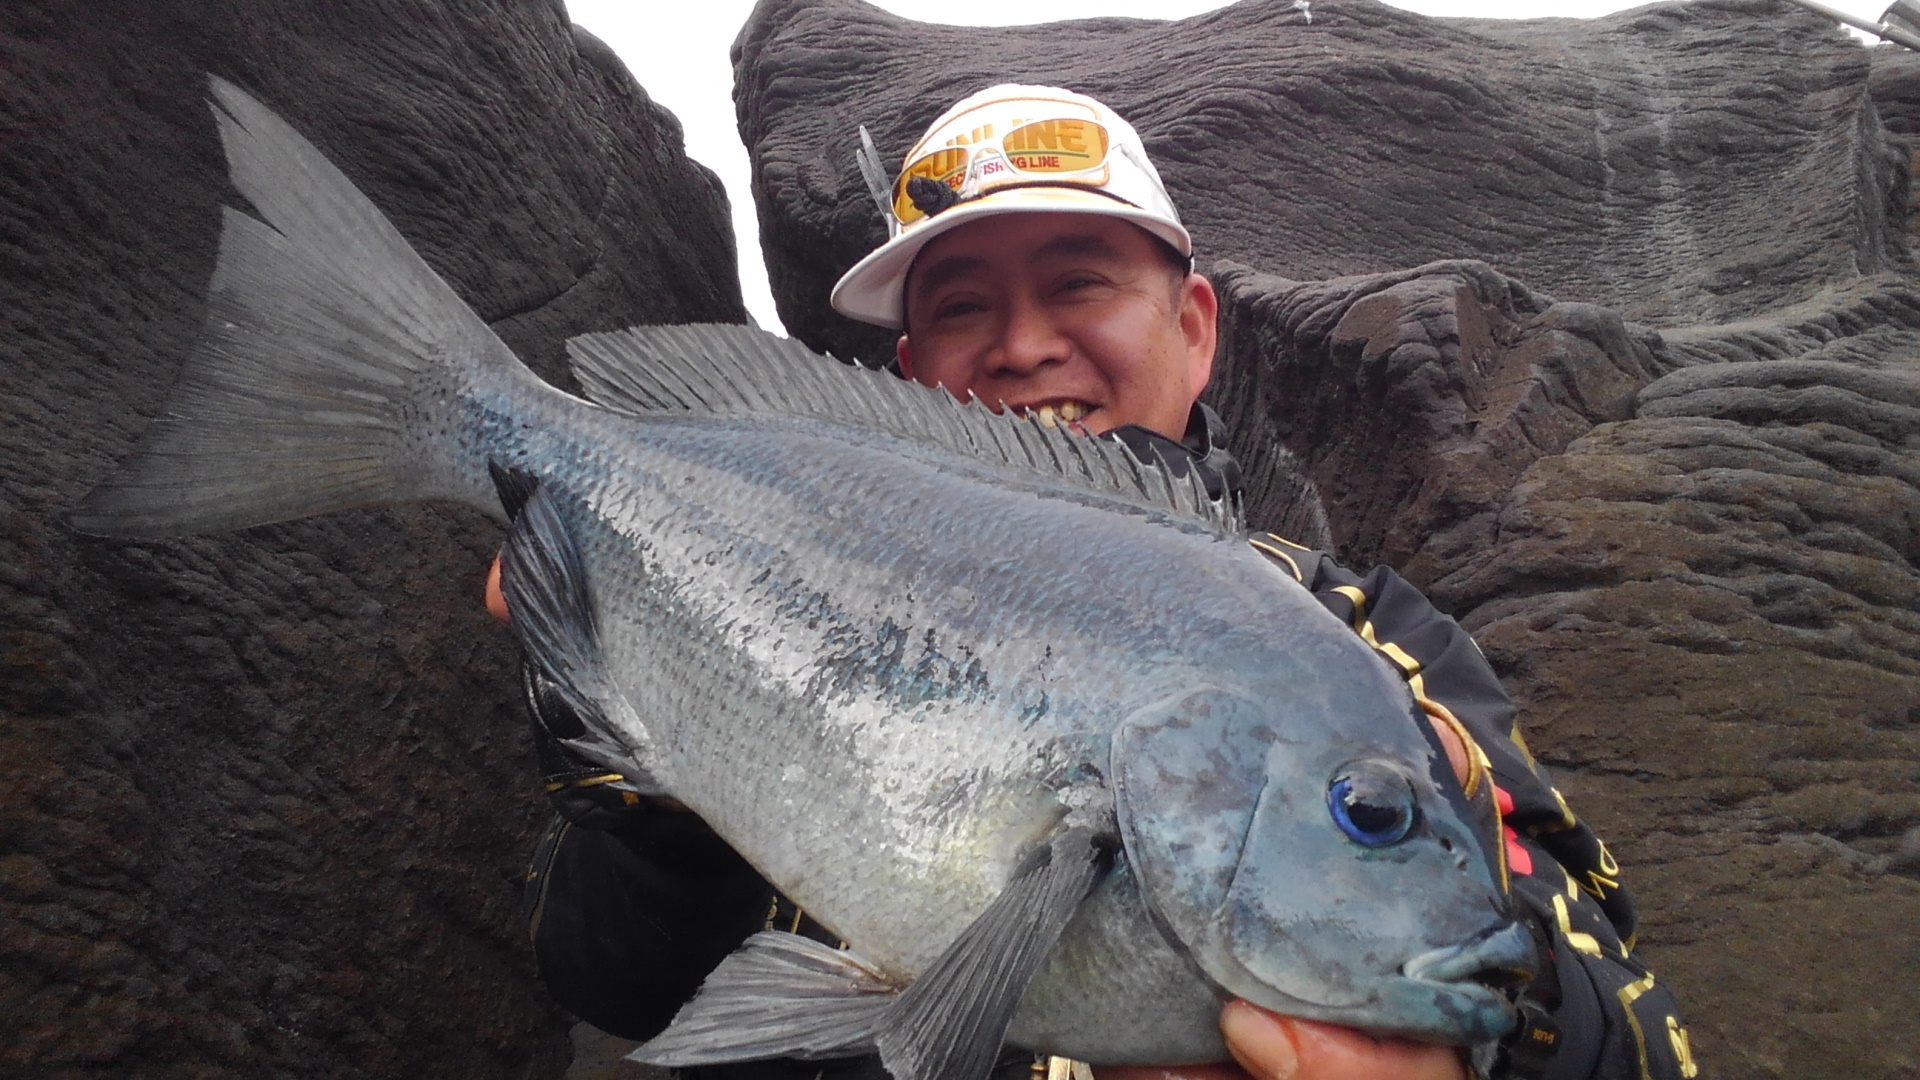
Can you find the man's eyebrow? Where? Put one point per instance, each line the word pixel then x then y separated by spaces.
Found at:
pixel 1076 244
pixel 921 283
pixel 953 266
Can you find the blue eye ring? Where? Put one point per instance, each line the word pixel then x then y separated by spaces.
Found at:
pixel 1372 805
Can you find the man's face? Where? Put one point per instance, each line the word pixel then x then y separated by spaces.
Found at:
pixel 1077 314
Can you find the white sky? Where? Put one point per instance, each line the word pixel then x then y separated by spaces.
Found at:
pixel 678 52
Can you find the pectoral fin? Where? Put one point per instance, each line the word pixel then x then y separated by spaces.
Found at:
pixel 776 998
pixel 544 580
pixel 949 1024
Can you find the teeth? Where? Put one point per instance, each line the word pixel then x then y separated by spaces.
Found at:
pixel 1058 413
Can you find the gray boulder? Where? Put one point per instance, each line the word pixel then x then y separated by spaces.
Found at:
pixel 266 799
pixel 1681 163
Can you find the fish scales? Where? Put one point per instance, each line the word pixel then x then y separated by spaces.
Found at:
pixel 1020 717
pixel 837 689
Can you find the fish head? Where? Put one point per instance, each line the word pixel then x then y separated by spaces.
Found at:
pixel 1337 873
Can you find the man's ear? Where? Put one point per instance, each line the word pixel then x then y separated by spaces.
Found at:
pixel 903 354
pixel 1199 326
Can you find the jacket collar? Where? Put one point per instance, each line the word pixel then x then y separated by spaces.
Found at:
pixel 1203 449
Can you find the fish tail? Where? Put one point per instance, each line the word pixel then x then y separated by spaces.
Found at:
pixel 332 371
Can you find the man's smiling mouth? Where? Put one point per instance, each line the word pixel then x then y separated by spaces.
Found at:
pixel 1057 413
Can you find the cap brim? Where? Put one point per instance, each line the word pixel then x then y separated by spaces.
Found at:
pixel 873 291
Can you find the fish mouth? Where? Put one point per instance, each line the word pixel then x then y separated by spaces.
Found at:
pixel 1460 994
pixel 1061 412
pixel 1502 960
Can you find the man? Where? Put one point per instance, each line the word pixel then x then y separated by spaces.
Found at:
pixel 1034 260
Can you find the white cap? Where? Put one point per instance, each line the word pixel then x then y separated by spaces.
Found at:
pixel 1069 154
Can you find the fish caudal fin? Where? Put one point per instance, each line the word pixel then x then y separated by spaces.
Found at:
pixel 786 996
pixel 325 376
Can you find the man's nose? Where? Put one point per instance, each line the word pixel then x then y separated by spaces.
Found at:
pixel 1029 340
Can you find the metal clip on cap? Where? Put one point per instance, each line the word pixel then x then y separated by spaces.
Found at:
pixel 1896 25
pixel 1902 14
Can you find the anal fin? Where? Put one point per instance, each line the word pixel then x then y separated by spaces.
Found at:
pixel 779 995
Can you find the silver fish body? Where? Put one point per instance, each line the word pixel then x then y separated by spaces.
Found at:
pixel 888 672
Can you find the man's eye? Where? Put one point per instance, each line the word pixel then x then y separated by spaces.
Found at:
pixel 955 308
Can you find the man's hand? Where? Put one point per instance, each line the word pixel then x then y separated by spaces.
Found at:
pixel 1273 1047
pixel 495 599
pixel 1456 750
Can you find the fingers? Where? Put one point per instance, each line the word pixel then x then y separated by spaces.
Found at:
pixel 1274 1047
pixel 496 600
pixel 1263 1042
pixel 1456 750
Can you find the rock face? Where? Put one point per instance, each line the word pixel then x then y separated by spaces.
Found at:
pixel 1682 164
pixel 266 799
pixel 1604 332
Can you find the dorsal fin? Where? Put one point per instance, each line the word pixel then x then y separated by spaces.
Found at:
pixel 724 368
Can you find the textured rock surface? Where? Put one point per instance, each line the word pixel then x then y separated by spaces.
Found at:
pixel 1680 163
pixel 265 799
pixel 1650 427
pixel 1417 398
pixel 1701 586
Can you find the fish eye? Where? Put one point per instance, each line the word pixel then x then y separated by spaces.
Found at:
pixel 1373 805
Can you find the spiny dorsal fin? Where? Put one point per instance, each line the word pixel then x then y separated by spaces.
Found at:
pixel 723 368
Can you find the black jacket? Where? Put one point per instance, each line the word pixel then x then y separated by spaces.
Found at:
pixel 631 903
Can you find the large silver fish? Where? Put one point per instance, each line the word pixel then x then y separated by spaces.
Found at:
pixel 1021 718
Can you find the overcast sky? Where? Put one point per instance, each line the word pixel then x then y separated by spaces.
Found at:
pixel 681 60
